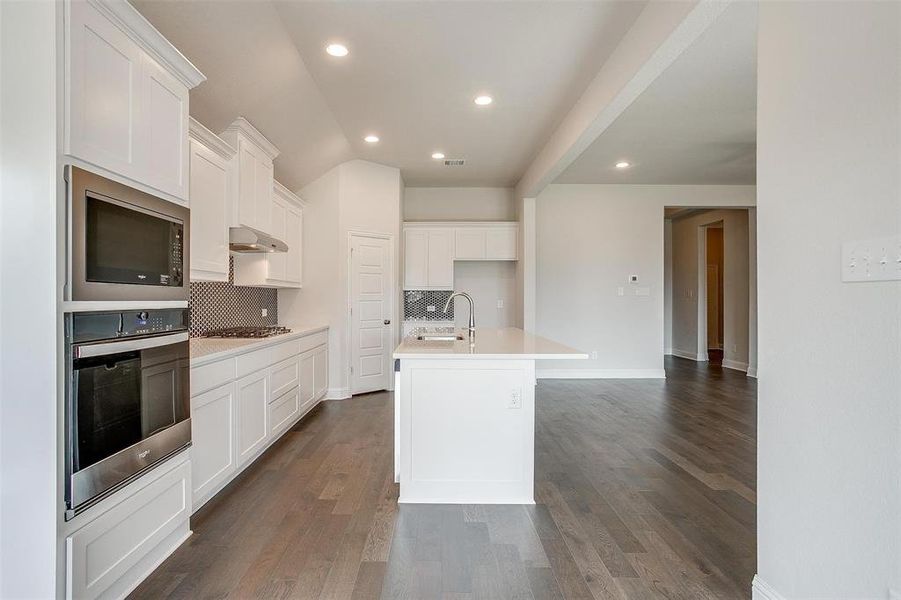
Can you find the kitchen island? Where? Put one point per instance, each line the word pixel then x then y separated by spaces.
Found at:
pixel 465 416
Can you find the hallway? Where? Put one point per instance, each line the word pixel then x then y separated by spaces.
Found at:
pixel 644 489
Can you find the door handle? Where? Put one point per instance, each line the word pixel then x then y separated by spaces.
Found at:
pixel 387 321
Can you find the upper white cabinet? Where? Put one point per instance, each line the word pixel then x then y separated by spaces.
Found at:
pixel 279 269
pixel 428 258
pixel 126 97
pixel 251 176
pixel 430 250
pixel 210 196
pixel 487 241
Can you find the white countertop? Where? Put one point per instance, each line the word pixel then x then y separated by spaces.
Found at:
pixel 206 350
pixel 509 343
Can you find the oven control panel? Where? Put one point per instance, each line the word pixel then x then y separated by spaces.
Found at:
pixel 91 326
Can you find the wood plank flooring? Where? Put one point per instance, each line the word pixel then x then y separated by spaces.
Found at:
pixel 644 489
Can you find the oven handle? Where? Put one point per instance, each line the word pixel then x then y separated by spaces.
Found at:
pixel 88 350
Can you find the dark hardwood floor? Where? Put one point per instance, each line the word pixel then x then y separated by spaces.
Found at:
pixel 644 489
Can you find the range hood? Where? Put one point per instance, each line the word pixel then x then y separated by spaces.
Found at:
pixel 247 240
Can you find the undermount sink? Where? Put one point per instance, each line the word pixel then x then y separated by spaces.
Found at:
pixel 439 337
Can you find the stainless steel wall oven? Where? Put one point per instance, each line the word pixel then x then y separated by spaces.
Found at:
pixel 124 244
pixel 127 398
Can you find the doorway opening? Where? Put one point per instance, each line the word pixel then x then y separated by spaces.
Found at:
pixel 710 286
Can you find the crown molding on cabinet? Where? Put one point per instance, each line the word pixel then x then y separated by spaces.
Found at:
pixel 133 23
pixel 243 126
pixel 209 139
pixel 288 195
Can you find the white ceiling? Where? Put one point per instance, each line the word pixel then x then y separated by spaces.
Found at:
pixel 695 124
pixel 412 72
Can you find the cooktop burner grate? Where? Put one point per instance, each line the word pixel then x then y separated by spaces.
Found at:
pixel 246 332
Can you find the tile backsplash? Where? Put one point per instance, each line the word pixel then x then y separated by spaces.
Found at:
pixel 417 305
pixel 218 304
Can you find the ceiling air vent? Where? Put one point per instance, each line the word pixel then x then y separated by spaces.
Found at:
pixel 454 162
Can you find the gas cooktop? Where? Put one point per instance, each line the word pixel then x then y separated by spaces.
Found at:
pixel 246 332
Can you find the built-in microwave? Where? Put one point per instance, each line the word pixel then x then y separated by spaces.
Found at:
pixel 124 244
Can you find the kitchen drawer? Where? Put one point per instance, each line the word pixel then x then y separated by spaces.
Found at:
pixel 283 411
pixel 104 551
pixel 285 350
pixel 284 376
pixel 253 361
pixel 211 376
pixel 311 341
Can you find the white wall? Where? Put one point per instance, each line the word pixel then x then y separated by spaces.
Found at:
pixel 589 239
pixel 28 293
pixel 487 282
pixel 828 398
pixel 752 292
pixel 354 196
pixel 688 309
pixel 459 204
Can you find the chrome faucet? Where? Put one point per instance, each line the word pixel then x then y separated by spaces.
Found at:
pixel 472 312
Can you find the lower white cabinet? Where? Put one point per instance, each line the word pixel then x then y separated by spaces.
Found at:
pixel 246 402
pixel 252 394
pixel 213 450
pixel 112 553
pixel 283 410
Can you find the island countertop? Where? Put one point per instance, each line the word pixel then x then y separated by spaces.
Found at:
pixel 504 344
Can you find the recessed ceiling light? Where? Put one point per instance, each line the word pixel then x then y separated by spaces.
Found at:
pixel 623 164
pixel 371 139
pixel 337 50
pixel 483 100
pixel 438 155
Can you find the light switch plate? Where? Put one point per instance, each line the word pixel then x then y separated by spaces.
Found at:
pixel 265 312
pixel 515 399
pixel 643 291
pixel 878 259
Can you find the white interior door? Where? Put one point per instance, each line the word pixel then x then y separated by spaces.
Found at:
pixel 371 294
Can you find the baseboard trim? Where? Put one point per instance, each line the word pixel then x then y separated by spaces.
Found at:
pixel 735 365
pixel 688 355
pixel 761 590
pixel 667 351
pixel 752 372
pixel 600 374
pixel 337 394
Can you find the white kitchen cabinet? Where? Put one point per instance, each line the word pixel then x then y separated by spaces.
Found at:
pixel 116 549
pixel 278 269
pixel 501 243
pixel 252 393
pixel 428 259
pixel 320 372
pixel 244 402
pixel 210 197
pixel 486 241
pixel 212 436
pixel 126 97
pixel 251 175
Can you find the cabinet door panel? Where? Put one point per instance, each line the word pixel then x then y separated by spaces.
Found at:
pixel 294 239
pixel 441 259
pixel 320 371
pixel 105 91
pixel 263 196
pixel 212 438
pixel 416 259
pixel 252 412
pixel 307 379
pixel 165 121
pixel 470 243
pixel 500 243
pixel 278 261
pixel 208 194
